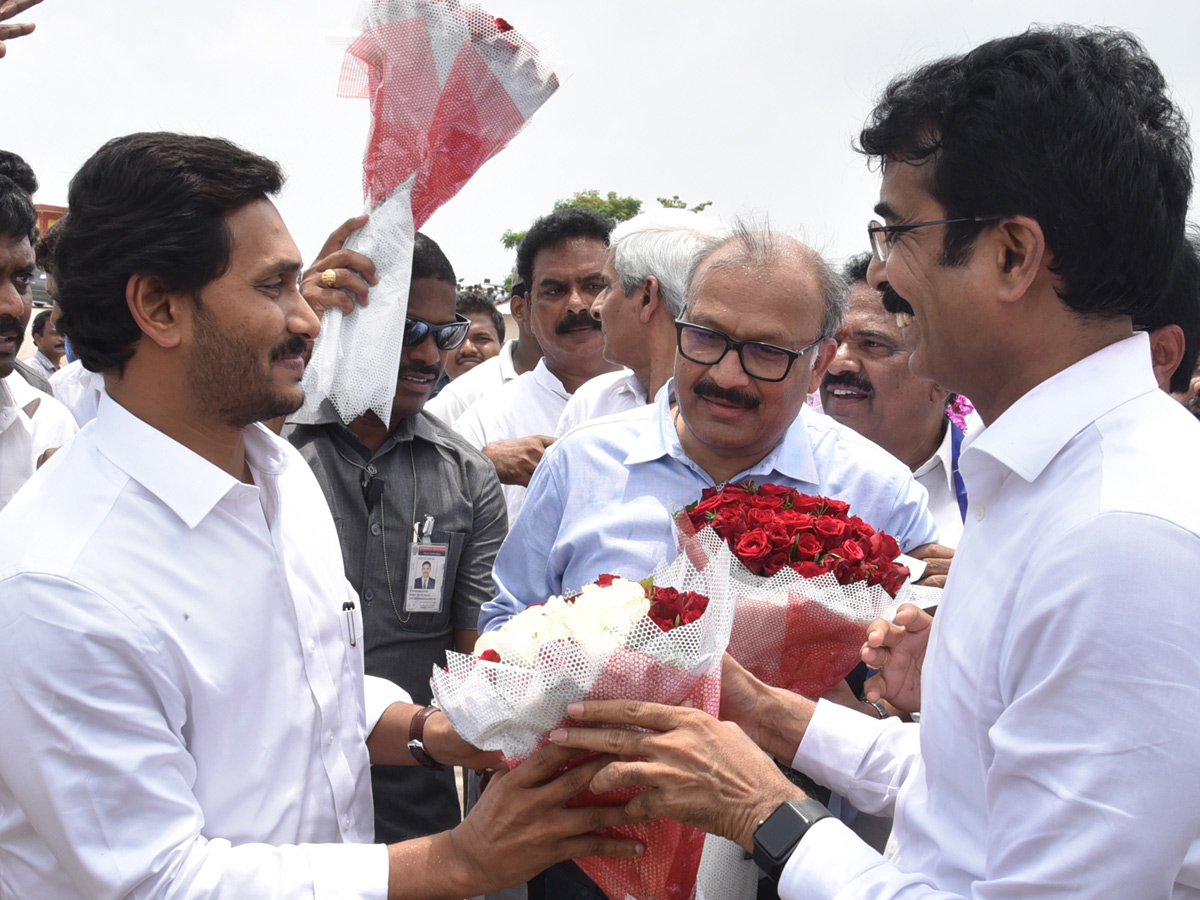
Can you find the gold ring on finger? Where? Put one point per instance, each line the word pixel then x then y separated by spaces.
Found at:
pixel 329 278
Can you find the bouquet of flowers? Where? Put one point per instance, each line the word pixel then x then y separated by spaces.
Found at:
pixel 660 640
pixel 450 85
pixel 808 576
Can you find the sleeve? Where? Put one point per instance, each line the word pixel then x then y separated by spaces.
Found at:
pixel 1093 783
pixel 863 759
pixel 473 584
pixel 93 754
pixel 524 571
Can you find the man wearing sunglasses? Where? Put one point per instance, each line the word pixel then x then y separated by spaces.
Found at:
pixel 381 482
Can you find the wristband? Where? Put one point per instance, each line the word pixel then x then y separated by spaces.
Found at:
pixel 778 834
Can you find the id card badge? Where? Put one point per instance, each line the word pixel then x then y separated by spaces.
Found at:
pixel 426 577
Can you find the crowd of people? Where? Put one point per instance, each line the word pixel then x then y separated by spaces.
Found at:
pixel 219 613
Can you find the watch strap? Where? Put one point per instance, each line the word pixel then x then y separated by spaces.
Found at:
pixel 416 739
pixel 777 835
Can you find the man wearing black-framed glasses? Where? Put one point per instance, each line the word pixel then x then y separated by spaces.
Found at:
pixel 381 480
pixel 604 496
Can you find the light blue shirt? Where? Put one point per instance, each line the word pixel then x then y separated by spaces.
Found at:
pixel 603 499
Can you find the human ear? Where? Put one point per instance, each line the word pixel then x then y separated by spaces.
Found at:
pixel 825 354
pixel 651 299
pixel 156 310
pixel 1020 254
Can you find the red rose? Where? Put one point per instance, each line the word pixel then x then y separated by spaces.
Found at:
pixel 831 531
pixel 752 548
pixel 605 580
pixel 809 547
pixel 836 507
pixel 489 656
pixel 757 517
pixel 807 503
pixel 794 520
pixel 808 569
pixel 852 552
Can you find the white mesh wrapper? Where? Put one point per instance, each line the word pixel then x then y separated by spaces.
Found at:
pixel 355 358
pixel 509 708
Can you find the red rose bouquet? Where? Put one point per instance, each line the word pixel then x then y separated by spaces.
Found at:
pixel 809 577
pixel 660 640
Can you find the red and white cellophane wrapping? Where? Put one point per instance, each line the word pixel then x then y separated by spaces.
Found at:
pixel 450 85
pixel 511 708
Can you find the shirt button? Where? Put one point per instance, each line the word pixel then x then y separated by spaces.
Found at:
pixel 368 595
pixel 331 737
pixel 375 529
pixel 312 646
pixel 979 513
pixel 347 821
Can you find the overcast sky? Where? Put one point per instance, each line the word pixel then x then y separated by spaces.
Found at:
pixel 751 105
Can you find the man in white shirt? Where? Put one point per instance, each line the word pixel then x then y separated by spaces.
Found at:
pixel 1051 758
pixel 870 388
pixel 561 262
pixel 649 260
pixel 181 660
pixel 32 423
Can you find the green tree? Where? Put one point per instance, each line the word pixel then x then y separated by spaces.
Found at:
pixel 675 203
pixel 613 207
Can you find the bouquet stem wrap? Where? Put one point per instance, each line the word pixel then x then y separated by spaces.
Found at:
pixel 450 85
pixel 511 708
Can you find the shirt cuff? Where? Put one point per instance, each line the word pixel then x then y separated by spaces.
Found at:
pixel 858 756
pixel 379 694
pixel 828 858
pixel 349 871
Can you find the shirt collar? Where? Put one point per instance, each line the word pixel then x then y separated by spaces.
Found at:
pixel 548 380
pixel 792 456
pixel 508 371
pixel 943 456
pixel 409 427
pixel 1031 432
pixel 183 480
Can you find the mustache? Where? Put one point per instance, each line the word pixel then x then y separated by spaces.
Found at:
pixel 714 391
pixel 419 368
pixel 846 379
pixel 572 321
pixel 11 323
pixel 293 346
pixel 894 303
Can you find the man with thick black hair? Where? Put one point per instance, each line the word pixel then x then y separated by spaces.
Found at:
pixel 1033 197
pixel 181 659
pixel 561 261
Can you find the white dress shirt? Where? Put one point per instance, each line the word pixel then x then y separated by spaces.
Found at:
pixel 456 397
pixel 78 390
pixel 1057 751
pixel 181 692
pixel 31 422
pixel 529 404
pixel 604 395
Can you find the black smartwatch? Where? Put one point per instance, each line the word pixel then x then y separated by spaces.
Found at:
pixel 778 834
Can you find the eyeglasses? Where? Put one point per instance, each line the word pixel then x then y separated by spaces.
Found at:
pixel 766 362
pixel 447 337
pixel 883 236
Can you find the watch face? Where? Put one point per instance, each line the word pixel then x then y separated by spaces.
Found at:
pixel 780 832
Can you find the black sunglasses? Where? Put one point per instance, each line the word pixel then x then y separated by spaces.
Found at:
pixel 447 337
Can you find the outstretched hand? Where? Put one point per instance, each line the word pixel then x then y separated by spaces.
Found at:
pixel 11 8
pixel 353 273
pixel 704 772
pixel 521 825
pixel 897 651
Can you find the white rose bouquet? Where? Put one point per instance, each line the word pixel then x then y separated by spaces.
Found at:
pixel 660 640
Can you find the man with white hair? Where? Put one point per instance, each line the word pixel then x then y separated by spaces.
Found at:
pixel 649 259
